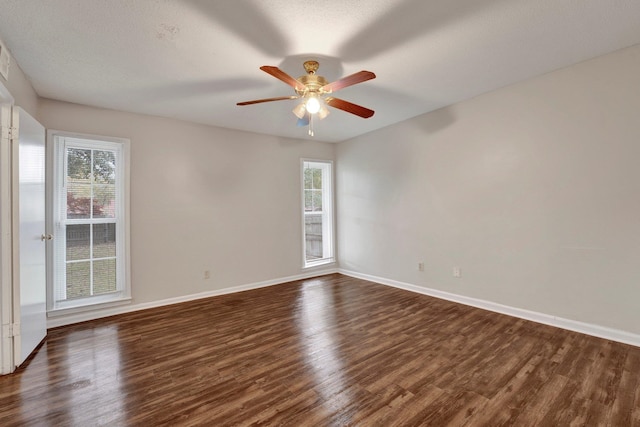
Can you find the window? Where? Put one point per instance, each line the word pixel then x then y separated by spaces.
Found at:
pixel 90 221
pixel 317 184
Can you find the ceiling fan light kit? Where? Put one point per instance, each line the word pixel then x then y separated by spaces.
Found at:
pixel 313 105
pixel 313 90
pixel 300 110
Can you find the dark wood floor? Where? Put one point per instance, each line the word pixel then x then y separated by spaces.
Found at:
pixel 330 351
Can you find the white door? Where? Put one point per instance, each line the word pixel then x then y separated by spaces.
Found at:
pixel 29 270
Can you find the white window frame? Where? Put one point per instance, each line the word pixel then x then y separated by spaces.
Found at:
pixel 328 219
pixel 57 144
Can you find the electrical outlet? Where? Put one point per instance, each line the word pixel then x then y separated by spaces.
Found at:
pixel 421 266
pixel 457 272
pixel 207 274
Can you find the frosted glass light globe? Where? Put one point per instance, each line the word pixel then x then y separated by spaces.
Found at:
pixel 313 105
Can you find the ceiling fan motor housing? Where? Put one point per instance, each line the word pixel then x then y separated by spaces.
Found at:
pixel 312 84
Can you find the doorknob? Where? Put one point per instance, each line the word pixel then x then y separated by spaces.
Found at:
pixel 46 237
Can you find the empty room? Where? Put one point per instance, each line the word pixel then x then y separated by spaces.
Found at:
pixel 319 213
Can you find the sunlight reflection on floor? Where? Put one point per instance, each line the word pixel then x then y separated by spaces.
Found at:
pixel 92 370
pixel 321 344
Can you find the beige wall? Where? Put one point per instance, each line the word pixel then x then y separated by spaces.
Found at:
pixel 533 190
pixel 202 198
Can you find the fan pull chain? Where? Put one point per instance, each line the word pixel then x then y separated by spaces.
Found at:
pixel 310 124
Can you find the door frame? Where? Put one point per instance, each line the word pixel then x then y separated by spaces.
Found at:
pixel 16 309
pixel 6 233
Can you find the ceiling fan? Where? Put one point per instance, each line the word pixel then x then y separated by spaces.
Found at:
pixel 314 91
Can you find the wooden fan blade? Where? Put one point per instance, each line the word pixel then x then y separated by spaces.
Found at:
pixel 281 75
pixel 359 77
pixel 349 107
pixel 258 101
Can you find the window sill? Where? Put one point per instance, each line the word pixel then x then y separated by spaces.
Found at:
pixel 319 263
pixel 88 307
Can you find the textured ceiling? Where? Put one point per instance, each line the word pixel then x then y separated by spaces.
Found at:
pixel 194 59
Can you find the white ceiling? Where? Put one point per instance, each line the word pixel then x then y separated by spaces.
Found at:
pixel 194 59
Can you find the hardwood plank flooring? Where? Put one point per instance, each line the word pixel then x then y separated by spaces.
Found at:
pixel 328 351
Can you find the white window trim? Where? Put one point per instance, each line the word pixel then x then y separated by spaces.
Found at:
pixel 327 200
pixel 53 181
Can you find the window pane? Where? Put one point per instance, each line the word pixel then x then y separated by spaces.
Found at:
pixel 317 178
pixel 78 279
pixel 308 201
pixel 104 167
pixel 104 276
pixel 104 201
pixel 313 200
pixel 78 241
pixel 78 164
pixel 78 200
pixel 313 236
pixel 308 177
pixel 104 240
pixel 317 200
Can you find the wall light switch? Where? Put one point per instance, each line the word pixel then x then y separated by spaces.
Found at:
pixel 457 272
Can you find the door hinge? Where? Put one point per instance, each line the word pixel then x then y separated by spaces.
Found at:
pixel 14 330
pixel 9 132
pixel 10 330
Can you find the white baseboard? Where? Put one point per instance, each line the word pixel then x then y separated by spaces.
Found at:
pixel 559 322
pixel 547 319
pixel 69 319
